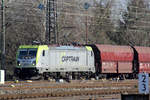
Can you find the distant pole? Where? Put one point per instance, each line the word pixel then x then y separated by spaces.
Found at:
pixel 86 29
pixel 86 6
pixel 2 34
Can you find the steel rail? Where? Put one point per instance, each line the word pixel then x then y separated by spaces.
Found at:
pixel 67 93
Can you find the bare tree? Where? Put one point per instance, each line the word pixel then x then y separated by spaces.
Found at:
pixel 25 22
pixel 101 23
pixel 135 29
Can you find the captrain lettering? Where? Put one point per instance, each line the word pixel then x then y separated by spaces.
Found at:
pixel 70 58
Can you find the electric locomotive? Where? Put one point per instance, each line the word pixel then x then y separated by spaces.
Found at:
pixel 55 61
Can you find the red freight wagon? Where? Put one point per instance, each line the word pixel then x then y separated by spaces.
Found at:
pixel 143 58
pixel 116 59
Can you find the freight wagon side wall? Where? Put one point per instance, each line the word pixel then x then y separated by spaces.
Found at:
pixel 143 58
pixel 144 67
pixel 125 67
pixel 109 67
pixel 116 59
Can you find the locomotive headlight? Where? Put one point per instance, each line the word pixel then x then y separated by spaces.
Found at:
pixel 34 63
pixel 18 63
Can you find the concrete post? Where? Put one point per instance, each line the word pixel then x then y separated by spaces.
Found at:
pixel 2 76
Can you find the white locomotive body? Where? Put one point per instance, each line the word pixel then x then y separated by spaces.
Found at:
pixel 56 61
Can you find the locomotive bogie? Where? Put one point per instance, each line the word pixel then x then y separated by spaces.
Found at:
pixel 23 73
pixel 68 75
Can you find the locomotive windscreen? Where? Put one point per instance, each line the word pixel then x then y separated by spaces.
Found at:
pixel 23 53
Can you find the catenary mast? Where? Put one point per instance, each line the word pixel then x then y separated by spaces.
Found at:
pixel 51 22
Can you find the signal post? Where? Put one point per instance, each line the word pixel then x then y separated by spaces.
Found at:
pixel 2 37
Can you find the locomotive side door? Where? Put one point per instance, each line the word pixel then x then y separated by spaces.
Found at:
pixel 44 59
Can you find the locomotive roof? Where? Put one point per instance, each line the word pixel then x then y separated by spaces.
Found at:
pixel 28 46
pixel 67 47
pixel 71 48
pixel 64 47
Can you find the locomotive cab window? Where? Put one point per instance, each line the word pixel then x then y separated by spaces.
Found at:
pixel 43 53
pixel 91 53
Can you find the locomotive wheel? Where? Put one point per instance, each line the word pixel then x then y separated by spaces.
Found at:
pixel 70 77
pixel 46 76
pixel 96 77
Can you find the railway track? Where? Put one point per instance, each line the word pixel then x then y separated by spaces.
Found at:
pixel 65 94
pixel 44 89
pixel 49 85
